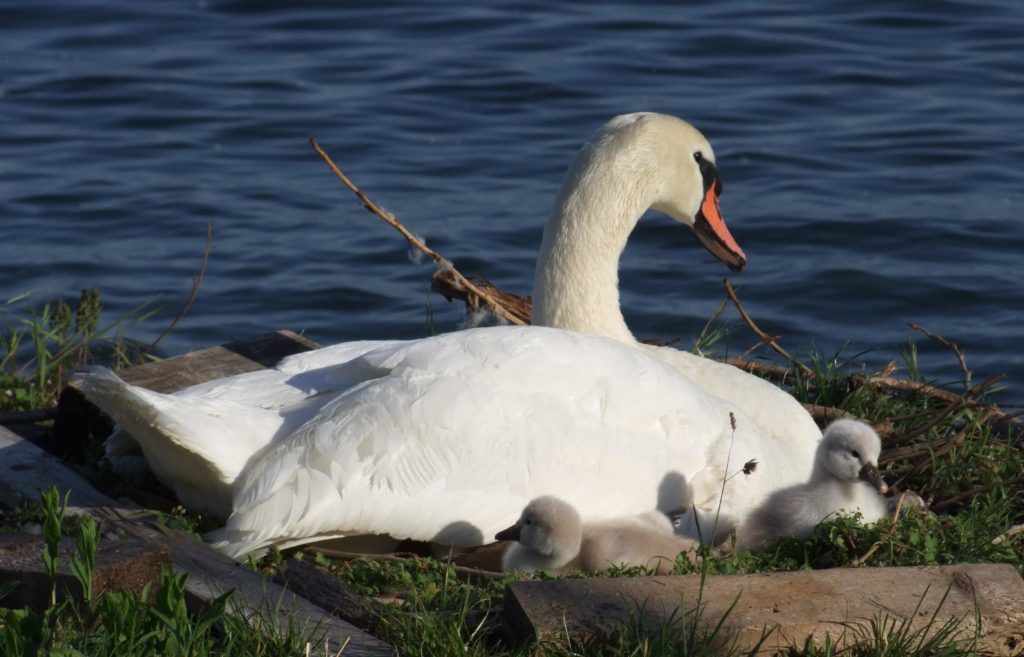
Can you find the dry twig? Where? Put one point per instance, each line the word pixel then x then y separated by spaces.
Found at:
pixel 949 345
pixel 929 448
pixel 445 283
pixel 935 419
pixel 885 539
pixel 976 490
pixel 1008 534
pixel 498 308
pixel 770 340
pixel 197 280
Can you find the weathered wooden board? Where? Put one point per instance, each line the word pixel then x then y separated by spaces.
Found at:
pixel 318 586
pixel 206 364
pixel 26 469
pixel 797 605
pixel 121 564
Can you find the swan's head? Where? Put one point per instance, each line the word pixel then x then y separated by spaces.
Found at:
pixel 547 526
pixel 680 164
pixel 849 450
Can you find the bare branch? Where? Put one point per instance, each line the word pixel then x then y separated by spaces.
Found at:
pixel 197 280
pixel 393 221
pixel 975 490
pixel 885 539
pixel 770 340
pixel 949 345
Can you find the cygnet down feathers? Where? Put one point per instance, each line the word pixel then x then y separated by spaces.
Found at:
pixel 551 536
pixel 845 478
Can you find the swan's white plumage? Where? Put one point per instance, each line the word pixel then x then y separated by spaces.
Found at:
pixel 467 427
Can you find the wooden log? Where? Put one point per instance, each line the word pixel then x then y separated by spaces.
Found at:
pixel 794 605
pixel 77 419
pixel 316 585
pixel 121 564
pixel 26 469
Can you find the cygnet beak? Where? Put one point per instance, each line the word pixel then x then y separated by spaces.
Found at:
pixel 512 533
pixel 870 474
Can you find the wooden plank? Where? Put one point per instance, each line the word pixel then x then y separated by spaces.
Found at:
pixel 26 469
pixel 207 364
pixel 798 604
pixel 121 564
pixel 77 418
pixel 318 586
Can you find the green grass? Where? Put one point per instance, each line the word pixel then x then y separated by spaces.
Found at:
pixel 41 345
pixel 118 624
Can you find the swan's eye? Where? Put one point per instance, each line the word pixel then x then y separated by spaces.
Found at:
pixel 527 522
pixel 709 173
pixel 855 453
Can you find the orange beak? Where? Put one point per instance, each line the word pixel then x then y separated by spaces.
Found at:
pixel 714 235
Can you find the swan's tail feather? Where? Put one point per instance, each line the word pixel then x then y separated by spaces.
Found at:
pixel 181 438
pixel 144 415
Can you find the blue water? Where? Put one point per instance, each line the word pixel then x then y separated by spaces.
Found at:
pixel 872 155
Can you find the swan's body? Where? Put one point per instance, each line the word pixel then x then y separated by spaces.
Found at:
pixel 550 536
pixel 362 463
pixel 454 434
pixel 845 479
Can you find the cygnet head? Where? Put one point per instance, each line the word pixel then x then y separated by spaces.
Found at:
pixel 547 526
pixel 849 450
pixel 678 163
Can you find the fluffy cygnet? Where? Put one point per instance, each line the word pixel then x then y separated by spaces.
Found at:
pixel 845 478
pixel 551 536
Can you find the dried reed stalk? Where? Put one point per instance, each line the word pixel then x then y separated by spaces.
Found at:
pixel 197 281
pixel 885 539
pixel 771 341
pixel 445 283
pixel 949 345
pixel 495 305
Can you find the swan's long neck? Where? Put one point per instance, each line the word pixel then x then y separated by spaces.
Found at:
pixel 576 284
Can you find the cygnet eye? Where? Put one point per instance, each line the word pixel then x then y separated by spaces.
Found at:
pixel 855 453
pixel 528 522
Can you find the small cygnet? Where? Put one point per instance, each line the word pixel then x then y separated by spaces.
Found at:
pixel 551 536
pixel 845 478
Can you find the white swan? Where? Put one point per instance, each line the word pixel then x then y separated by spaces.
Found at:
pixel 845 478
pixel 550 536
pixel 452 435
pixel 635 161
